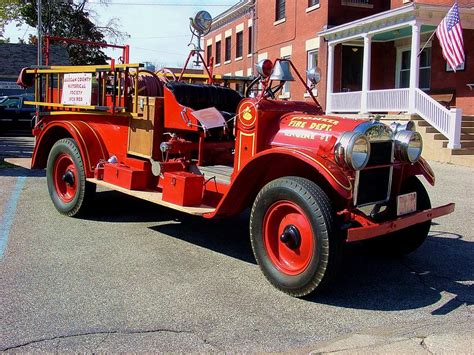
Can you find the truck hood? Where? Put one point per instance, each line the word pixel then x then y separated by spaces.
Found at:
pixel 317 133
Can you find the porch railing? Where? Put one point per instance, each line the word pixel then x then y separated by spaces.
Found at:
pixel 387 100
pixel 346 101
pixel 447 122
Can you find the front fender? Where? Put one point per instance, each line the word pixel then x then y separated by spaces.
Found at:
pixel 89 143
pixel 279 162
pixel 421 167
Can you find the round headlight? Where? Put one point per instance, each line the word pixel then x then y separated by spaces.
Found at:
pixel 353 150
pixel 408 146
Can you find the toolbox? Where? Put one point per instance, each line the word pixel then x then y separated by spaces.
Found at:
pixel 125 176
pixel 183 188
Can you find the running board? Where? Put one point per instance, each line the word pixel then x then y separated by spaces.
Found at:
pixel 155 197
pixel 22 162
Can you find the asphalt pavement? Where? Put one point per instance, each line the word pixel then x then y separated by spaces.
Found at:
pixel 133 276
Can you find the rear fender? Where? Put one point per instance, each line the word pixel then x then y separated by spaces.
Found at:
pixel 279 162
pixel 89 143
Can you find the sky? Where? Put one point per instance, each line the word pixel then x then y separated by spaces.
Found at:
pixel 158 29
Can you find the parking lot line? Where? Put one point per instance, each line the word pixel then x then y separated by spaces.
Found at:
pixel 9 214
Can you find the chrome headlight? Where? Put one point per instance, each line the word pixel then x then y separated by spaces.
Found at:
pixel 353 150
pixel 408 146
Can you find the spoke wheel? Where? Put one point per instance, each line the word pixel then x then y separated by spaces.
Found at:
pixel 294 237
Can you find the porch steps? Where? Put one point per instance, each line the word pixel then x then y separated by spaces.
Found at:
pixel 435 144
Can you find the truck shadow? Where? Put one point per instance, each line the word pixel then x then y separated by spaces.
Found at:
pixel 444 264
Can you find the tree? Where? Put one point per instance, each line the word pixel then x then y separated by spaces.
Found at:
pixel 9 9
pixel 64 19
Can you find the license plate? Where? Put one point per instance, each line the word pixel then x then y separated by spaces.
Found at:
pixel 406 203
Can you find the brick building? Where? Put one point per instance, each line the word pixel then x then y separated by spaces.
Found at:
pixel 304 30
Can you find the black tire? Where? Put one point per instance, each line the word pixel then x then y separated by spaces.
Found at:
pixel 314 208
pixel 73 197
pixel 406 240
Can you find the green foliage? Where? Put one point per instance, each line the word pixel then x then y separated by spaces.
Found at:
pixel 9 11
pixel 63 19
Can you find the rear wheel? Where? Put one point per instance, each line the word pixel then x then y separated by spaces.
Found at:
pixel 293 235
pixel 67 185
pixel 406 240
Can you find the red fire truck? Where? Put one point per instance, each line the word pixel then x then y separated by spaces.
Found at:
pixel 312 181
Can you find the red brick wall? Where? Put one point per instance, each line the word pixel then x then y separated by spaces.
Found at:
pixel 339 13
pixel 233 66
pixel 298 27
pixel 383 66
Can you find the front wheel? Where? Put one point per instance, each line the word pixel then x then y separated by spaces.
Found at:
pixel 66 178
pixel 293 235
pixel 406 240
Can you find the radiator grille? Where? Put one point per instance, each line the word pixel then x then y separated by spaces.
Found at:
pixel 373 185
pixel 380 153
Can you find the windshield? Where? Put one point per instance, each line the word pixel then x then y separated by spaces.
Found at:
pixel 11 102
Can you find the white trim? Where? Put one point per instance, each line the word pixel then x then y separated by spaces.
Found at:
pixel 313 43
pixel 286 51
pixel 314 91
pixel 237 59
pixel 250 22
pixel 279 21
pixel 239 73
pixel 218 37
pixel 228 61
pixel 228 33
pixel 373 32
pixel 312 8
pixel 209 42
pixel 249 55
pixel 398 61
pixel 249 71
pixel 239 27
pixel 261 56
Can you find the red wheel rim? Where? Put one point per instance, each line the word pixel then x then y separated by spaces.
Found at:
pixel 287 218
pixel 65 177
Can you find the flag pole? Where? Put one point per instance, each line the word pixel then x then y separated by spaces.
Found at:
pixel 426 43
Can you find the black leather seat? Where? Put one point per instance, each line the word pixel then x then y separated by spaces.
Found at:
pixel 200 96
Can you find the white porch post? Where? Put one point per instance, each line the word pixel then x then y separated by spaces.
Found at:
pixel 455 128
pixel 366 73
pixel 414 65
pixel 330 77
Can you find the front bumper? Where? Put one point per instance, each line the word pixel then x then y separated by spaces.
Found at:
pixel 373 229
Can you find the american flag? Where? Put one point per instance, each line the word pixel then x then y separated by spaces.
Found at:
pixel 449 33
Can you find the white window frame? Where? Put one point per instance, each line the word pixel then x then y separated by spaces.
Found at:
pixel 398 65
pixel 308 66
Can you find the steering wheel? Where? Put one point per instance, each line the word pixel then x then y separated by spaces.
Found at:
pixel 162 75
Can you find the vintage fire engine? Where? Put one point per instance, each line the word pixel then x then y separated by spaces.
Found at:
pixel 312 181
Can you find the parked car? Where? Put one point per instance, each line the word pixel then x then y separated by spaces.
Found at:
pixel 14 113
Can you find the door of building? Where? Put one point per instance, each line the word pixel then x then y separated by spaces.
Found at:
pixel 352 62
